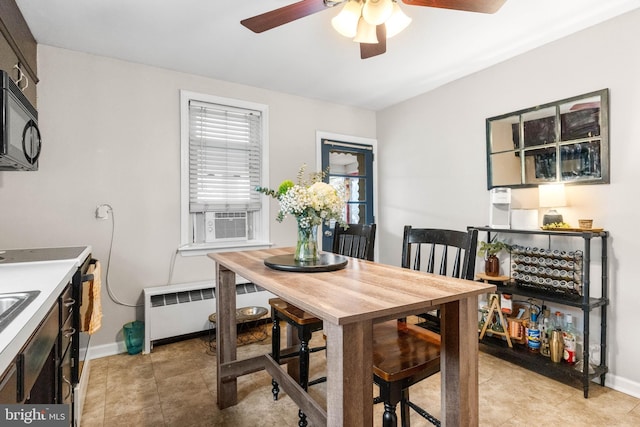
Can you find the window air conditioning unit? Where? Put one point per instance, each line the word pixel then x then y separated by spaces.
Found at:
pixel 225 226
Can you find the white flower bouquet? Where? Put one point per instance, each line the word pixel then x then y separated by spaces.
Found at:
pixel 312 202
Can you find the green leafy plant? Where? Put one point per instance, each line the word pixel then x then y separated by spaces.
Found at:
pixel 494 247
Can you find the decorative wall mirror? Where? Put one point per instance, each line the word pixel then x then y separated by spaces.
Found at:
pixel 566 141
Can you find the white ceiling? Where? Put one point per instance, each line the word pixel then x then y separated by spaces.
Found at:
pixel 307 57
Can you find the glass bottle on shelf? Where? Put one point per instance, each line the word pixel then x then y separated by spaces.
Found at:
pixel 594 349
pixel 497 326
pixel 545 331
pixel 541 315
pixel 533 334
pixel 558 324
pixel 483 318
pixel 570 339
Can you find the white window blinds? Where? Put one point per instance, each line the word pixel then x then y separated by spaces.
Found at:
pixel 224 158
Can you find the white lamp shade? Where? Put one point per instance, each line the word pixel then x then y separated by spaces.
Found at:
pixel 552 195
pixel 346 22
pixel 376 12
pixel 397 22
pixel 366 32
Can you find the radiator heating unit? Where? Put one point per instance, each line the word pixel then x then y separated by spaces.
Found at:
pixel 174 310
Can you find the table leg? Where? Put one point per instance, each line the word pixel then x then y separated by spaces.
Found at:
pixel 459 362
pixel 226 334
pixel 349 374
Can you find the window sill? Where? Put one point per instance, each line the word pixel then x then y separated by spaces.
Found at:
pixel 200 249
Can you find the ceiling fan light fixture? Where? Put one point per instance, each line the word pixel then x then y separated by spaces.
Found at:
pixel 366 32
pixel 376 12
pixel 397 22
pixel 346 22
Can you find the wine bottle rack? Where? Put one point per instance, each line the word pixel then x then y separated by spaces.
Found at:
pixel 547 270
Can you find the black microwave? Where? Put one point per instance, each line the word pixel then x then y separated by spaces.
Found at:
pixel 20 142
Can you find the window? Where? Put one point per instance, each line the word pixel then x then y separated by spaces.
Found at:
pixel 224 158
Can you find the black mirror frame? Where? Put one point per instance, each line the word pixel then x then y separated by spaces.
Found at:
pixel 520 150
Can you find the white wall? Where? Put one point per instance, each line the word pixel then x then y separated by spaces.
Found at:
pixel 111 135
pixel 433 169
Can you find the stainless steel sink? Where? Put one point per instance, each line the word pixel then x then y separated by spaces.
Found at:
pixel 11 304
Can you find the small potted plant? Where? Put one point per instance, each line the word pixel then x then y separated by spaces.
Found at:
pixel 489 251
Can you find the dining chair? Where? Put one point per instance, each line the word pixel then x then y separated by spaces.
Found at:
pixel 447 252
pixel 405 354
pixel 357 241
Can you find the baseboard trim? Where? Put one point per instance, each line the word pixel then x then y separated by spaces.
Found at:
pixel 104 350
pixel 623 385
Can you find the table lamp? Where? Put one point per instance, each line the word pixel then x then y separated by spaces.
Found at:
pixel 551 196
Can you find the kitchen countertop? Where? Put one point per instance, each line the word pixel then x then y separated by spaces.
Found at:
pixel 48 277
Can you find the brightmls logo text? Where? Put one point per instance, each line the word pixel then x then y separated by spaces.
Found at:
pixel 35 415
pixel 27 416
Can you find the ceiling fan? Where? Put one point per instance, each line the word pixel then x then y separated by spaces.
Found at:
pixel 375 43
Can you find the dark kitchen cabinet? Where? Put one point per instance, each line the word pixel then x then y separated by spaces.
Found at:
pixel 68 309
pixel 41 372
pixel 38 361
pixel 9 385
pixel 43 367
pixel 43 390
pixel 18 47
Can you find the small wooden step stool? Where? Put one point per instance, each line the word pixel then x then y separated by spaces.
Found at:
pixel 495 308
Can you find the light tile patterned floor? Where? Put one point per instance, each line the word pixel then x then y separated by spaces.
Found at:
pixel 175 385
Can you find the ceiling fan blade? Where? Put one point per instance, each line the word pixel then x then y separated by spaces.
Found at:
pixel 482 6
pixel 367 50
pixel 284 15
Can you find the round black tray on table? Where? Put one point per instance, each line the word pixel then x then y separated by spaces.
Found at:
pixel 327 262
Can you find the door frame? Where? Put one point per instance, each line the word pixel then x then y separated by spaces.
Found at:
pixel 320 135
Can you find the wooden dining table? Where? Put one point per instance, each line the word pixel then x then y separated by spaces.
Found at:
pixel 350 301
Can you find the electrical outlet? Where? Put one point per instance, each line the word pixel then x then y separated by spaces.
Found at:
pixel 102 212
